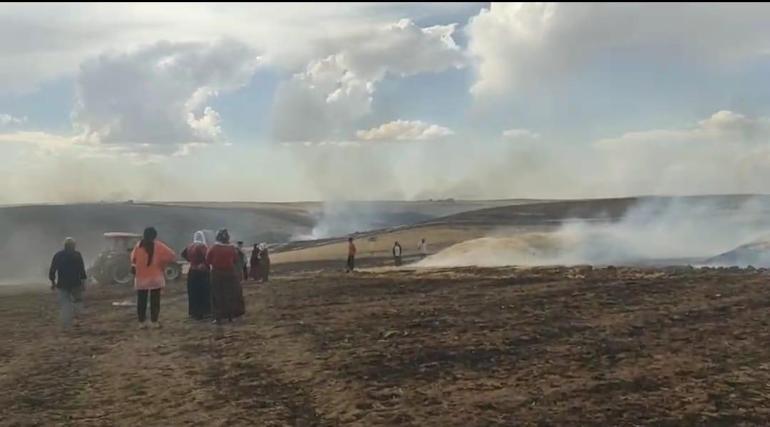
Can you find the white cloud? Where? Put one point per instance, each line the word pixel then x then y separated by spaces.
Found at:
pixel 404 130
pixel 44 145
pixel 520 134
pixel 157 94
pixel 333 92
pixel 35 138
pixel 725 153
pixel 58 37
pixel 9 120
pixel 530 44
pixel 722 127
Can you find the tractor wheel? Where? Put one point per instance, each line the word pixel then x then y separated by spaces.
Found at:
pixel 100 276
pixel 173 271
pixel 120 273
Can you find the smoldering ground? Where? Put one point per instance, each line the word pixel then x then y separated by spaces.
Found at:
pixel 654 230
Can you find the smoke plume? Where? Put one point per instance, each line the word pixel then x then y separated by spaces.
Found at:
pixel 654 231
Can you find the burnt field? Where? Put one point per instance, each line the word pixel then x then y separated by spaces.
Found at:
pixel 464 347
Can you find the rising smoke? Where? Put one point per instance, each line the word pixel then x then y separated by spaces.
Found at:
pixel 341 218
pixel 654 231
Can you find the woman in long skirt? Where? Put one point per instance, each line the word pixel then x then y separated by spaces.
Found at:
pixel 264 262
pixel 198 288
pixel 255 270
pixel 226 292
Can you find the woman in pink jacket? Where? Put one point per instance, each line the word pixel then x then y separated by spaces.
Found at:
pixel 149 260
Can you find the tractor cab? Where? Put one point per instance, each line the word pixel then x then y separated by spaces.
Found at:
pixel 121 242
pixel 113 265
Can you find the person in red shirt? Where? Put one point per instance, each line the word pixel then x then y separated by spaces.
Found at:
pixel 198 287
pixel 226 291
pixel 351 255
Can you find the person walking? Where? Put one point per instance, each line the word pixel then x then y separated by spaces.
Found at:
pixel 198 287
pixel 397 254
pixel 351 255
pixel 148 262
pixel 68 276
pixel 226 291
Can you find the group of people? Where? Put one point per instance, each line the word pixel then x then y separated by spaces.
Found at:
pixel 213 281
pixel 258 267
pixel 215 276
pixel 422 247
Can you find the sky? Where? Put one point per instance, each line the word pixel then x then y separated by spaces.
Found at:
pixel 372 101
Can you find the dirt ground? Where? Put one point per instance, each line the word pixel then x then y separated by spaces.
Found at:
pixel 454 347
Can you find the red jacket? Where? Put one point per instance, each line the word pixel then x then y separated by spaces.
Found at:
pixel 222 257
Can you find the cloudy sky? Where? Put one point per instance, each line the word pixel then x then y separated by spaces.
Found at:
pixel 275 102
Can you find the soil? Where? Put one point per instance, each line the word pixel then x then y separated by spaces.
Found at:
pixel 450 347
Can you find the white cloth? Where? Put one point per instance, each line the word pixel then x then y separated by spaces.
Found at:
pixel 199 237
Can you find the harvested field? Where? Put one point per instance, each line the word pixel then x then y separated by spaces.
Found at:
pixel 612 346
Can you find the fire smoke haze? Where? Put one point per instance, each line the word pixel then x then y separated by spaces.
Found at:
pixel 381 101
pixel 652 231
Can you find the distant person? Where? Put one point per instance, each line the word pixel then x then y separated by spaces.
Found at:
pixel 226 291
pixel 241 262
pixel 397 253
pixel 351 255
pixel 255 270
pixel 423 248
pixel 264 262
pixel 148 262
pixel 68 276
pixel 198 287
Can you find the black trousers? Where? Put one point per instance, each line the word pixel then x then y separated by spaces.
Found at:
pixel 141 304
pixel 351 262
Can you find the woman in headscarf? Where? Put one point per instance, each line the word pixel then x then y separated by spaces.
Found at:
pixel 226 292
pixel 256 270
pixel 148 262
pixel 198 289
pixel 264 262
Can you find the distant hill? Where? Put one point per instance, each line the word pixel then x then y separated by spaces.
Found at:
pixel 32 233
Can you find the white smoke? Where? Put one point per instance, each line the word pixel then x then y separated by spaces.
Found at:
pixel 653 231
pixel 340 218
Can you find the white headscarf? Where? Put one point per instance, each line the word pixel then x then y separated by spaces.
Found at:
pixel 199 237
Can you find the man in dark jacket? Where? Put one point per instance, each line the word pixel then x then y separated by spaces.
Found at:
pixel 68 275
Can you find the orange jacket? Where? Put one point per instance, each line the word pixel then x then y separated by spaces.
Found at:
pixel 151 276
